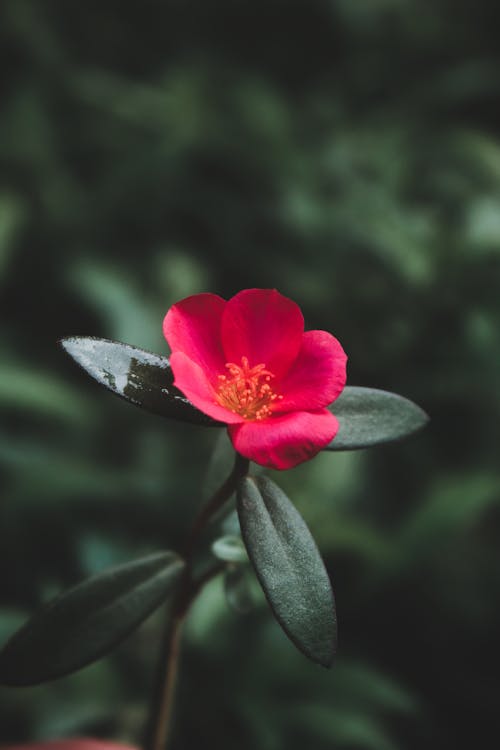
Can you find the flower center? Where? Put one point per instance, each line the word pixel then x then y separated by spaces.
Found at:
pixel 246 390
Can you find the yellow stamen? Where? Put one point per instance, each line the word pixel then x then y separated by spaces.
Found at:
pixel 246 390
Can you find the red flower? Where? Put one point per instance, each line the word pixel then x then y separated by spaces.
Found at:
pixel 248 362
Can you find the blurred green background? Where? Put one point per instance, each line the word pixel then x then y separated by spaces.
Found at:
pixel 348 153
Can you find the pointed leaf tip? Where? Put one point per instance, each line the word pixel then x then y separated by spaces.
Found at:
pixel 368 417
pixel 140 377
pixel 289 568
pixel 86 622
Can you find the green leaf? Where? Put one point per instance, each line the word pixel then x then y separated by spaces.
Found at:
pixel 369 417
pixel 289 568
pixel 229 548
pixel 143 378
pixel 86 622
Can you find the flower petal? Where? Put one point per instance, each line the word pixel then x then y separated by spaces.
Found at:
pixel 264 326
pixel 317 377
pixel 195 385
pixel 193 326
pixel 284 441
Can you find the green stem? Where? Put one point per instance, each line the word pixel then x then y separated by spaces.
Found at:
pixel 163 701
pixel 223 494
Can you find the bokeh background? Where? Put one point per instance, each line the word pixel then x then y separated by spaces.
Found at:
pixel 346 152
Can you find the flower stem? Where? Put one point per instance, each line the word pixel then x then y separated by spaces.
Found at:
pixel 163 700
pixel 216 502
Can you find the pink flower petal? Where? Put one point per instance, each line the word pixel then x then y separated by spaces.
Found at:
pixel 263 326
pixel 69 744
pixel 284 441
pixel 193 326
pixel 317 377
pixel 195 385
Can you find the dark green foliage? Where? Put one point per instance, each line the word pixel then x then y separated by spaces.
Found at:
pixel 229 548
pixel 366 416
pixel 143 378
pixel 289 568
pixel 348 153
pixel 86 622
pixel 370 417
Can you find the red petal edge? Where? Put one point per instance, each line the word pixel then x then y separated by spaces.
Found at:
pixel 193 382
pixel 193 326
pixel 284 441
pixel 317 377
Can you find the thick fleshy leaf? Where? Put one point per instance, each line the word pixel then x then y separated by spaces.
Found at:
pixel 230 549
pixel 86 622
pixel 143 378
pixel 369 417
pixel 289 567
